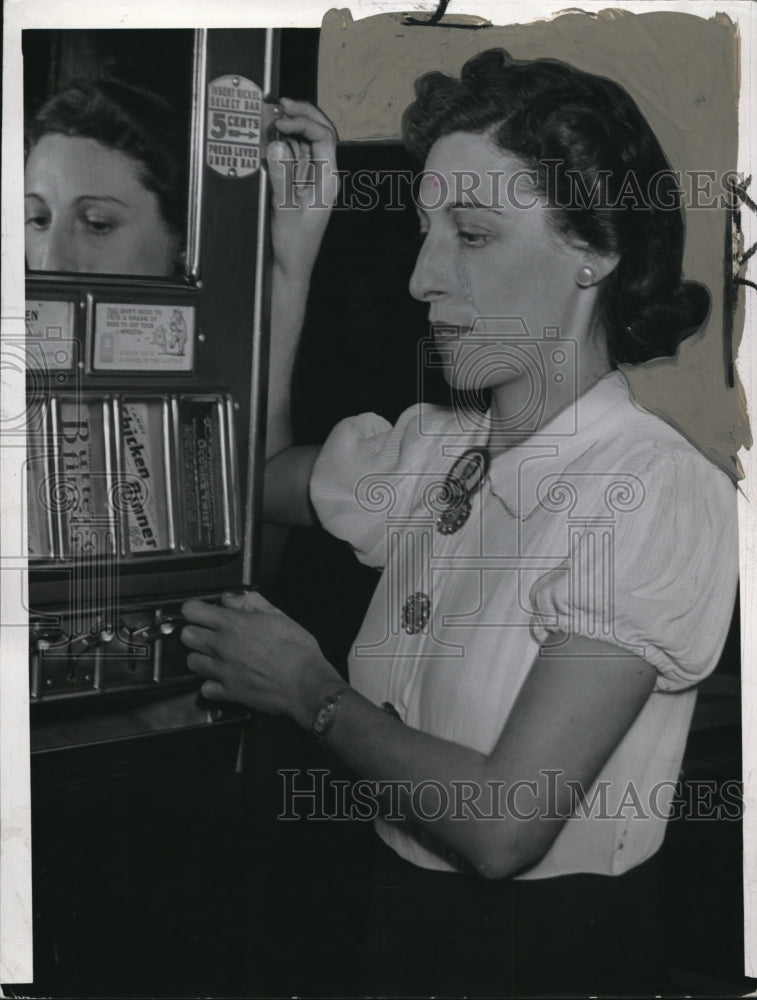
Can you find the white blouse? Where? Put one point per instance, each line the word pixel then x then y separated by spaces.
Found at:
pixel 607 523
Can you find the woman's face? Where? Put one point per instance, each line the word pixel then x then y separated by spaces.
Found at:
pixel 492 269
pixel 87 210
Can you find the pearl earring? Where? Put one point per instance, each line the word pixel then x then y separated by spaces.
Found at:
pixel 585 276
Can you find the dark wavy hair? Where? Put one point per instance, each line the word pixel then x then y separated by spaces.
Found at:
pixel 131 119
pixel 548 113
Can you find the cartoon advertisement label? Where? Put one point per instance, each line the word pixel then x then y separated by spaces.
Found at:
pixel 131 336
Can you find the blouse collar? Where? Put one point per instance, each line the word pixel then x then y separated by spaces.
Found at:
pixel 520 475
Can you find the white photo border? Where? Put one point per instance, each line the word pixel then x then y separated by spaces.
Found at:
pixel 15 834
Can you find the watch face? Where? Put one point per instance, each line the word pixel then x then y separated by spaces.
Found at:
pixel 323 717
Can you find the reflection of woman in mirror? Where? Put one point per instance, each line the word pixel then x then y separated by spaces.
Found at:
pixel 105 187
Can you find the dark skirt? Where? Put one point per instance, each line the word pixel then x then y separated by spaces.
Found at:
pixel 440 934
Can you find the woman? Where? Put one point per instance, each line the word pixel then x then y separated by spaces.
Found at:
pixel 558 572
pixel 105 187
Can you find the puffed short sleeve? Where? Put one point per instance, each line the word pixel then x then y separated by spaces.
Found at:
pixel 367 470
pixel 660 579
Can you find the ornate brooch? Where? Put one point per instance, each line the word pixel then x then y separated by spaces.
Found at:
pixel 462 482
pixel 416 612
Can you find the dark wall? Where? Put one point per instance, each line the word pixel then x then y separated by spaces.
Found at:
pixel 160 60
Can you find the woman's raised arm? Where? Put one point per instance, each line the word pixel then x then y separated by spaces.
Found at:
pixel 304 186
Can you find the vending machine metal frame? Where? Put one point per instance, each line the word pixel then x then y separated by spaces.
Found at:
pixel 146 404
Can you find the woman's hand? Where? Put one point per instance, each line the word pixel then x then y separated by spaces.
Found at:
pixel 253 654
pixel 570 715
pixel 304 185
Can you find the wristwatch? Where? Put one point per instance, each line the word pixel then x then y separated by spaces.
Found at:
pixel 326 713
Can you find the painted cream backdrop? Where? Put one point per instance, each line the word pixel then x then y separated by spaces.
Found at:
pixel 682 70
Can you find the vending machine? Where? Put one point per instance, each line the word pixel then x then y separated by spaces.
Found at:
pixel 146 396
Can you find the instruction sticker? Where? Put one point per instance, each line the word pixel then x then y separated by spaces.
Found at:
pixel 235 107
pixel 50 335
pixel 135 337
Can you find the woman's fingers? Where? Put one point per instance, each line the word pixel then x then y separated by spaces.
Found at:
pixel 283 149
pixel 310 125
pixel 316 152
pixel 306 128
pixel 250 600
pixel 203 640
pixel 277 154
pixel 213 691
pixel 314 144
pixel 290 165
pixel 250 652
pixel 305 108
pixel 200 663
pixel 202 613
pixel 308 121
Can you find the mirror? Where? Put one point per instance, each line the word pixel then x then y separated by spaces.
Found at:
pixel 107 157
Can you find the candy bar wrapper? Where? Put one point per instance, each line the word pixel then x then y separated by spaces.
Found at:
pixel 145 494
pixel 202 475
pixel 81 493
